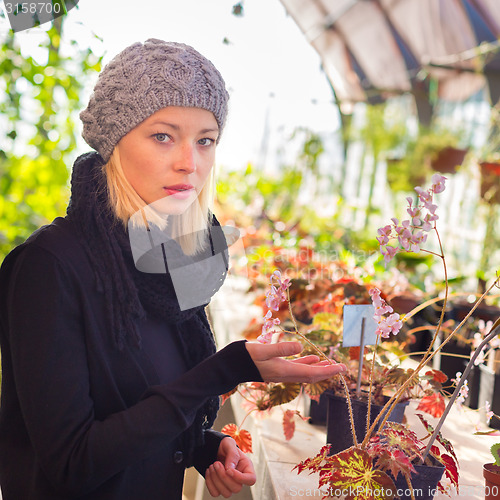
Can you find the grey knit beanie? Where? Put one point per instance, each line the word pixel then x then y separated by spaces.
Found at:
pixel 143 79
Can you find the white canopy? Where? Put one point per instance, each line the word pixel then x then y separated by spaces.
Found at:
pixel 372 49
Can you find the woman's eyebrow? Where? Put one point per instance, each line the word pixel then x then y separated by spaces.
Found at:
pixel 177 127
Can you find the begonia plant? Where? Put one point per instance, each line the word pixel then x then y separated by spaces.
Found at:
pixel 388 449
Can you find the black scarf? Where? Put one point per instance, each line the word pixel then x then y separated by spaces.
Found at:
pixel 129 293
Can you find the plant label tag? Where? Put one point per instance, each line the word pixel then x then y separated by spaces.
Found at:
pixel 353 325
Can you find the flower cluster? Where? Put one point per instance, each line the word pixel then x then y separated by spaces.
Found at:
pixel 464 390
pixel 277 294
pixel 274 297
pixel 388 321
pixel 411 234
pixel 494 344
pixel 488 411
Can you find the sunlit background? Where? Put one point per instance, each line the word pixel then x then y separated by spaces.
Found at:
pixel 291 168
pixel 273 75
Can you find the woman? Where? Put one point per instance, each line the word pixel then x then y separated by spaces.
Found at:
pixel 110 382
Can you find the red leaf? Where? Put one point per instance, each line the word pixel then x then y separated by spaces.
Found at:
pixel 397 436
pixel 451 470
pixel 313 464
pixel 437 376
pixel 395 461
pixel 440 439
pixel 434 405
pixel 289 424
pixel 241 436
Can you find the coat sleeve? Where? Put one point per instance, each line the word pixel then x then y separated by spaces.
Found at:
pixel 206 455
pixel 46 344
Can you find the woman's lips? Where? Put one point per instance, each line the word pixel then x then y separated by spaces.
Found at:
pixel 180 191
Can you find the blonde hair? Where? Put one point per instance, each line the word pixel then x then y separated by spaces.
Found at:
pixel 189 228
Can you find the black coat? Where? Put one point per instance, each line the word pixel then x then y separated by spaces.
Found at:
pixel 80 418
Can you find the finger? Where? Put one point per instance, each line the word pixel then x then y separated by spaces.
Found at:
pixel 263 352
pixel 216 470
pixel 247 478
pixel 324 362
pixel 225 482
pixel 326 371
pixel 312 358
pixel 210 483
pixel 292 372
pixel 244 472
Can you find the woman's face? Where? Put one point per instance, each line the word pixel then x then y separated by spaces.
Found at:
pixel 168 157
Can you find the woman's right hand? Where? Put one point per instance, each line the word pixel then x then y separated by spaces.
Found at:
pixel 268 359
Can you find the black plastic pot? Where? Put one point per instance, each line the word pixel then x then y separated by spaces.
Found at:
pixel 450 365
pixel 424 482
pixel 490 391
pixel 338 427
pixel 318 410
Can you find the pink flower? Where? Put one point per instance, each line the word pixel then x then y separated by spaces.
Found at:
pixel 388 252
pixel 438 182
pixel 412 211
pixel 386 324
pixel 462 394
pixel 416 240
pixel 267 329
pixel 410 234
pixel 385 233
pixel 277 294
pixel 273 299
pixel 427 226
pixel 489 413
pixel 381 306
pixel 423 196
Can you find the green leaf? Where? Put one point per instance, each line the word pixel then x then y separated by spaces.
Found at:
pixel 495 451
pixel 283 393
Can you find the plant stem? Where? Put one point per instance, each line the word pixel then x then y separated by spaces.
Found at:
pixel 323 355
pixel 396 396
pixel 429 302
pixel 245 417
pixel 454 396
pixel 372 368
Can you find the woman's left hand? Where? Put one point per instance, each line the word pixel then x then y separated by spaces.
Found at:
pixel 230 472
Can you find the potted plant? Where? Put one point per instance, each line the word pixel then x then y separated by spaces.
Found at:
pixel 433 149
pixel 491 474
pixel 439 148
pixel 389 452
pixel 319 305
pixel 392 451
pixel 490 180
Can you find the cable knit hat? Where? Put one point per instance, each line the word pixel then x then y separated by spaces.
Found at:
pixel 143 79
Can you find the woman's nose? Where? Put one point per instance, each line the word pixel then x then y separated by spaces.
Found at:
pixel 186 161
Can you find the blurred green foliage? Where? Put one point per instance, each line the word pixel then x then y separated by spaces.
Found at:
pixel 274 205
pixel 39 105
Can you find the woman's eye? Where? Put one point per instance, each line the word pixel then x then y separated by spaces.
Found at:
pixel 161 137
pixel 206 141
